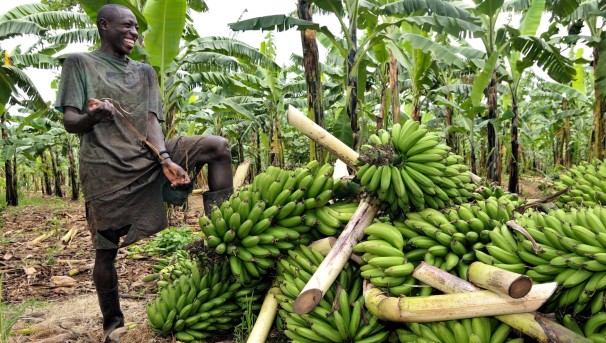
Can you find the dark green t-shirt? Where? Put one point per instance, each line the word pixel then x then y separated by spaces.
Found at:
pixel 112 156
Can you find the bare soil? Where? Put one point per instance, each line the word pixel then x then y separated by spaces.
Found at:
pixel 49 284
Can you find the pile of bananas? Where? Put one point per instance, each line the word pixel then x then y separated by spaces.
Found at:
pixel 594 328
pixel 410 170
pixel 489 190
pixel 587 182
pixel 449 240
pixel 263 219
pixel 474 330
pixel 572 252
pixel 330 219
pixel 199 305
pixel 168 269
pixel 339 317
pixel 387 265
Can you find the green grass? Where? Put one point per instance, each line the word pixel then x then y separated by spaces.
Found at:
pixel 167 241
pixel 242 330
pixel 37 200
pixel 7 318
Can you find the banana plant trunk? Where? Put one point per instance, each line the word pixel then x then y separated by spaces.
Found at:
pixel 47 189
pixel 451 139
pixel 493 152
pixel 566 138
pixel 598 111
pixel 73 176
pixel 277 150
pixel 10 171
pixel 393 87
pixel 416 108
pixel 515 154
pixel 380 118
pixel 312 77
pixel 352 82
pixel 56 174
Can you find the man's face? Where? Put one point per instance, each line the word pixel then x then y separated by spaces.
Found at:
pixel 121 33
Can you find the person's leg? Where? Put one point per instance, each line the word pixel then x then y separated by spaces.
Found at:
pixel 105 278
pixel 194 152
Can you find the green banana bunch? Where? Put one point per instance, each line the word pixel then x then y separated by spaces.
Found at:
pixel 264 219
pixel 340 316
pixel 330 219
pixel 409 169
pixel 196 306
pixel 594 327
pixel 168 269
pixel 587 182
pixel 386 265
pixel 473 330
pixel 449 240
pixel 572 252
pixel 489 190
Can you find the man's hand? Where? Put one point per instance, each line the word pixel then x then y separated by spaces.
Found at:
pixel 101 111
pixel 175 174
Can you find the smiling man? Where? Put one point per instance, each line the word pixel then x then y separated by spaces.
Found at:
pixel 126 168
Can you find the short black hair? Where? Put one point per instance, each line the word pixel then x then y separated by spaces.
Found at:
pixel 109 12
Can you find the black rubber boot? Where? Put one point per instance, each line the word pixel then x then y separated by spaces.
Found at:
pixel 113 318
pixel 178 195
pixel 215 198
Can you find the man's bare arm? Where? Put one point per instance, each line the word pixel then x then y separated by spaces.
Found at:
pixel 76 122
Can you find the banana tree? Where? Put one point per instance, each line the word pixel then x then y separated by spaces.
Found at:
pixel 535 49
pixel 312 76
pixel 488 11
pixel 529 24
pixel 590 14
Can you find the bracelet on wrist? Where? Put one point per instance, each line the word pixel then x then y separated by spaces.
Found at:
pixel 164 160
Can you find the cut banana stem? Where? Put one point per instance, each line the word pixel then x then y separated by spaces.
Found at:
pixel 324 245
pixel 240 174
pixel 69 236
pixel 266 317
pixel 452 306
pixel 314 131
pixel 499 280
pixel 533 324
pixel 329 269
pixel 475 178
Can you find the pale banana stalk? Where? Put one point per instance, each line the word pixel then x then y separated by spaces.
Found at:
pixel 332 265
pixel 533 324
pixel 265 319
pixel 314 131
pixel 499 280
pixel 452 306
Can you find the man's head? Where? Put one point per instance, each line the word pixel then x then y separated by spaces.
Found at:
pixel 117 27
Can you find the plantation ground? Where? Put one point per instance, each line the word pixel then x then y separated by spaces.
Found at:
pixel 32 284
pixel 51 306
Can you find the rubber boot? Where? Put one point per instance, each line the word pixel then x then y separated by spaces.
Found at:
pixel 215 198
pixel 178 195
pixel 113 319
